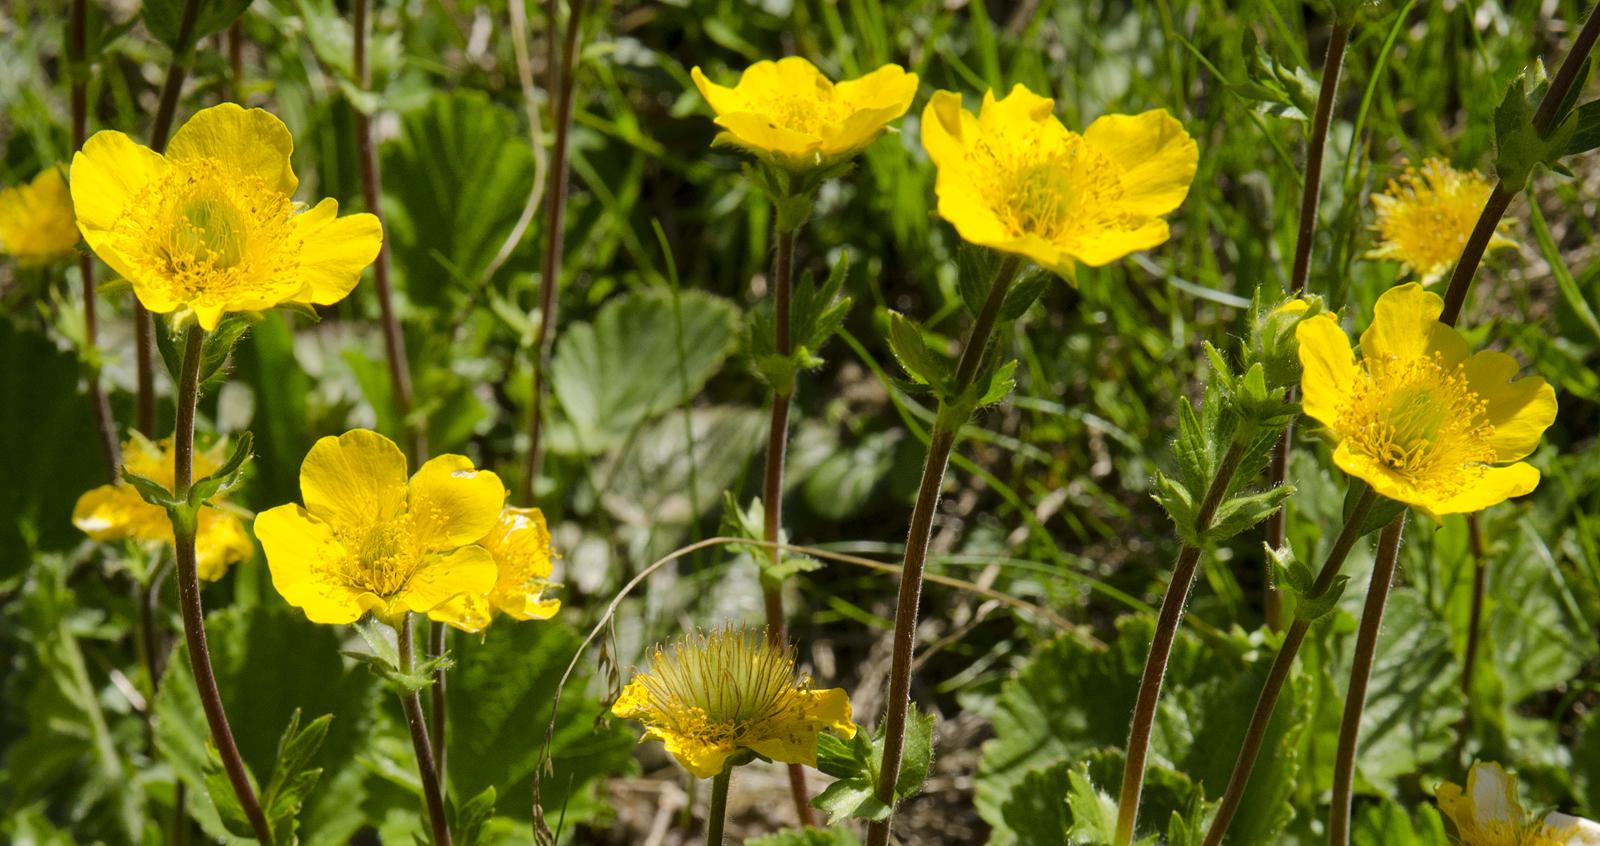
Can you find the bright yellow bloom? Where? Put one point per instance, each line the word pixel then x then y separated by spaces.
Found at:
pixel 1418 418
pixel 212 226
pixel 790 114
pixel 1488 813
pixel 520 545
pixel 36 222
pixel 1013 178
pixel 1424 220
pixel 710 696
pixel 117 512
pixel 367 540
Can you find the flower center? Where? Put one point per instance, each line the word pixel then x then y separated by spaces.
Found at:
pixel 720 686
pixel 1421 421
pixel 1432 215
pixel 807 115
pixel 1050 186
pixel 210 236
pixel 386 556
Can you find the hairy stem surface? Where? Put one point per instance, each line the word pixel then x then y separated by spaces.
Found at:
pixel 417 723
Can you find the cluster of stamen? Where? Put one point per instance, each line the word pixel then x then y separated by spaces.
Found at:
pixel 719 687
pixel 1054 186
pixel 210 236
pixel 1420 420
pixel 1428 214
pixel 383 557
pixel 809 115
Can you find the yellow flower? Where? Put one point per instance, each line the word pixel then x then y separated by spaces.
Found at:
pixel 1013 178
pixel 1424 220
pixel 1488 813
pixel 117 512
pixel 36 222
pixel 367 540
pixel 1418 418
pixel 710 696
pixel 790 114
pixel 520 546
pixel 212 226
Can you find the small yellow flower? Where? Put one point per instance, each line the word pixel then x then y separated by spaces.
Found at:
pixel 212 225
pixel 117 512
pixel 367 540
pixel 1013 178
pixel 520 545
pixel 710 696
pixel 1488 813
pixel 1418 418
pixel 36 222
pixel 790 114
pixel 1425 218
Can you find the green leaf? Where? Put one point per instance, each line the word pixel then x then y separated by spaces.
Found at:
pixel 1381 514
pixel 1276 88
pixel 1029 285
pixel 1036 813
pixel 471 816
pixel 1388 824
pixel 840 836
pixel 1094 814
pixel 164 18
pixel 293 778
pixel 227 477
pixel 632 364
pixel 150 490
pixel 1413 699
pixel 911 349
pixel 844 482
pixel 857 762
pixel 1242 511
pixel 219 343
pixel 1586 128
pixel 220 791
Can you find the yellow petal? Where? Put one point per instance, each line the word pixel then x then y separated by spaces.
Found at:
pixel 117 512
pixel 1383 480
pixel 1519 409
pixel 219 543
pixel 722 99
pixel 634 702
pixel 759 134
pixel 1104 246
pixel 468 612
pixel 355 480
pixel 945 130
pixel 1496 485
pixel 888 87
pixel 1405 326
pixel 1157 157
pixel 1019 106
pixel 701 759
pixel 1455 806
pixel 795 743
pixel 831 708
pixel 454 504
pixel 1493 795
pixel 106 173
pixel 303 557
pixel 521 605
pixel 1328 369
pixel 468 570
pixel 334 250
pixel 248 142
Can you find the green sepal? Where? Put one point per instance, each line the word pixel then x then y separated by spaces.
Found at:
pixel 1026 290
pixel 916 357
pixel 227 477
pixel 305 310
pixel 219 343
pixel 1296 578
pixel 293 778
pixel 471 816
pixel 857 762
pixel 1381 514
pixel 1274 87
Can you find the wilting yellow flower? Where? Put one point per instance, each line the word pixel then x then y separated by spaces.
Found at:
pixel 367 540
pixel 1418 418
pixel 1424 220
pixel 1013 178
pixel 212 226
pixel 710 696
pixel 520 545
pixel 1488 813
pixel 36 222
pixel 790 114
pixel 117 512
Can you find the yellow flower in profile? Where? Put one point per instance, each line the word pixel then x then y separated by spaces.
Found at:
pixel 1014 179
pixel 520 546
pixel 788 113
pixel 710 696
pixel 116 512
pixel 1426 216
pixel 36 222
pixel 212 226
pixel 368 540
pixel 1418 418
pixel 1488 813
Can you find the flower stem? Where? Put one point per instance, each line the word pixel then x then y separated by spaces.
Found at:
pixel 1282 663
pixel 1305 240
pixel 772 486
pixel 417 723
pixel 77 50
pixel 719 807
pixel 562 70
pixel 436 726
pixel 1344 762
pixel 1500 198
pixel 941 440
pixel 194 627
pixel 1155 665
pixel 1480 579
pixel 394 339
